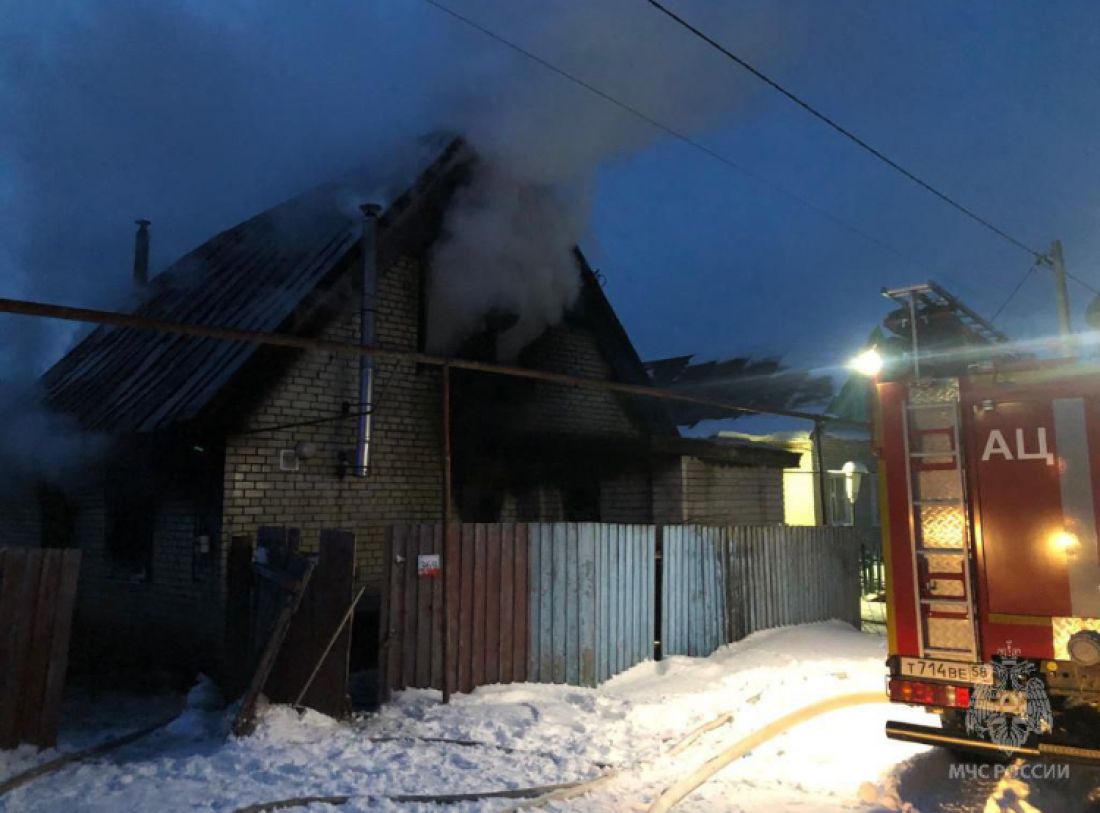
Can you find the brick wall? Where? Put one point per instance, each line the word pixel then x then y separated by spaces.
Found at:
pixel 722 494
pixel 405 477
pixel 557 409
pixel 627 496
pixel 172 616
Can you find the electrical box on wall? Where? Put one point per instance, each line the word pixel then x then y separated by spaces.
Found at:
pixel 289 460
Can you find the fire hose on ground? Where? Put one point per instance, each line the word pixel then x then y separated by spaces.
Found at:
pixel 531 797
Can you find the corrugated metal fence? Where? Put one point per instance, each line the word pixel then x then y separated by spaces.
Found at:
pixel 721 584
pixel 578 602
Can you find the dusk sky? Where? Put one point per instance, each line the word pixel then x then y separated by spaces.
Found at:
pixel 197 115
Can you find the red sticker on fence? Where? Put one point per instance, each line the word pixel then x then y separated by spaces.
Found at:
pixel 427 565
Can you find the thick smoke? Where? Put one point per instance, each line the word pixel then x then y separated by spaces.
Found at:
pixel 510 234
pixel 198 115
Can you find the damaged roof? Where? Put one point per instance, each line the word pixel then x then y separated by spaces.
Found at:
pixel 254 276
pixel 265 275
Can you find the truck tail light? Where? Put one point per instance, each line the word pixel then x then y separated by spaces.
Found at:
pixel 941 695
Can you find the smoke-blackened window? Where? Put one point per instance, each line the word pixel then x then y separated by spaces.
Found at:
pixel 130 525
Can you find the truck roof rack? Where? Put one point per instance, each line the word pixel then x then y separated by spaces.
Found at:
pixel 936 296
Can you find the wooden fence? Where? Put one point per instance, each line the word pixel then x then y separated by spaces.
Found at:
pixel 578 602
pixel 37 593
pixel 721 584
pixel 313 646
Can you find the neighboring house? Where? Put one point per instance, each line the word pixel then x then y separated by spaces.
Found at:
pixel 851 487
pixel 844 452
pixel 213 439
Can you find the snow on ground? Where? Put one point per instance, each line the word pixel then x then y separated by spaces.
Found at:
pixel 89 720
pixel 531 735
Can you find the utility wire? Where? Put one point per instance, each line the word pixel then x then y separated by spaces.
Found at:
pixel 659 125
pixel 848 133
pixel 1015 291
pixel 686 139
pixel 1082 283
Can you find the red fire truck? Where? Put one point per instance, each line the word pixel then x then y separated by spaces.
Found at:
pixel 989 474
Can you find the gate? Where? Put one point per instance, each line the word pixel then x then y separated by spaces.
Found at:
pixel 37 593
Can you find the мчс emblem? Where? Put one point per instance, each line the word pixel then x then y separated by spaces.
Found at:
pixel 1014 707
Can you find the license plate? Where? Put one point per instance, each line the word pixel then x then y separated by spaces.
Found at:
pixel 947 670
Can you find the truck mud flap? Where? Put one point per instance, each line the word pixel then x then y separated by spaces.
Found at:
pixel 1050 751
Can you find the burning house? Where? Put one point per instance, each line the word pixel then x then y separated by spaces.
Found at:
pixel 213 439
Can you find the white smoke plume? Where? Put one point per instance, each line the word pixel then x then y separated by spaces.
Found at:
pixel 543 138
pixel 198 115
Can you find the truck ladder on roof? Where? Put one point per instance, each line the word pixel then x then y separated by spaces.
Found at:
pixel 939 522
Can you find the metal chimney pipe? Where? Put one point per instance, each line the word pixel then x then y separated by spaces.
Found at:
pixel 141 254
pixel 367 311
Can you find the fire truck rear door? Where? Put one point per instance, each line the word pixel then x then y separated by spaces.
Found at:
pixel 1037 510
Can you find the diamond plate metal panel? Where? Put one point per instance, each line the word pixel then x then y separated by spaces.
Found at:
pixel 946 588
pixel 935 442
pixel 936 418
pixel 935 392
pixel 944 564
pixel 938 484
pixel 942 526
pixel 949 633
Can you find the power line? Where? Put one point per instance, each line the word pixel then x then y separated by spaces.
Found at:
pixel 717 156
pixel 659 125
pixel 848 133
pixel 1015 291
pixel 1082 283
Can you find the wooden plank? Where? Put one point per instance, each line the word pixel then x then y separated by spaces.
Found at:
pixel 238 612
pixel 477 649
pixel 24 573
pixel 534 602
pixel 385 617
pixel 560 599
pixel 506 652
pixel 424 614
pixel 452 580
pixel 586 603
pixel 396 638
pixel 493 590
pixel 521 601
pixel 572 602
pixel 321 611
pixel 37 659
pixel 245 721
pixel 436 585
pixel 59 655
pixel 466 612
pixel 546 603
pixel 412 608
